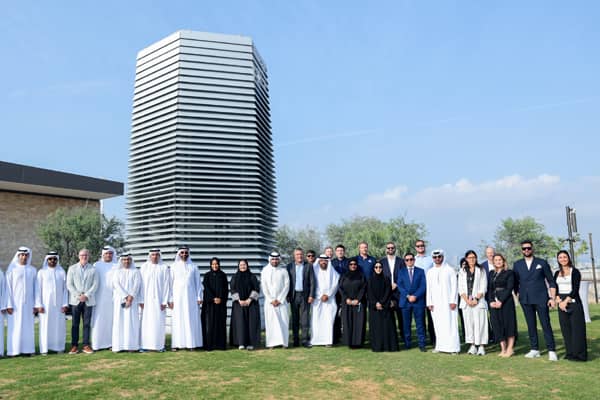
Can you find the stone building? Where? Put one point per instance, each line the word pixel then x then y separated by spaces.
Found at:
pixel 28 195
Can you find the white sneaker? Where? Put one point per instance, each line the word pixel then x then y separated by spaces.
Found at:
pixel 552 356
pixel 241 348
pixel 472 350
pixel 481 351
pixel 533 354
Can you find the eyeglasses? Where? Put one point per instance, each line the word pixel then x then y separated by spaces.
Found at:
pixel 526 248
pixel 409 259
pixel 420 245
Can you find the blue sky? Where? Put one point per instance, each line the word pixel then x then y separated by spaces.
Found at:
pixel 455 114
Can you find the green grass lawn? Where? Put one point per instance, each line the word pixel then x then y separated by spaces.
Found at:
pixel 326 373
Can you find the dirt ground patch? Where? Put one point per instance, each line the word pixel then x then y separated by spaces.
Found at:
pixel 107 365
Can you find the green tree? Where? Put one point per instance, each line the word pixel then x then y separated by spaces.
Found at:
pixel 67 230
pixel 287 239
pixel 376 233
pixel 581 246
pixel 512 232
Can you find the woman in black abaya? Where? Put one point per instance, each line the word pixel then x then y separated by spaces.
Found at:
pixel 353 288
pixel 214 307
pixel 244 331
pixel 382 326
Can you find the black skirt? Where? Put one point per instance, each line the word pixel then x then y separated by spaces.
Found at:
pixel 504 320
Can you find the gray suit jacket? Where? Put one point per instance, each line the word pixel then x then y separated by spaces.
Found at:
pixel 82 283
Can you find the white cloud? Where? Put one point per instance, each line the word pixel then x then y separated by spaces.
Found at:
pixel 462 194
pixel 459 215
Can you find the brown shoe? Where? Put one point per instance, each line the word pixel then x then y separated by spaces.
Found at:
pixel 74 350
pixel 87 350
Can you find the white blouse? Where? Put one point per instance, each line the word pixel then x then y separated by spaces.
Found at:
pixel 564 284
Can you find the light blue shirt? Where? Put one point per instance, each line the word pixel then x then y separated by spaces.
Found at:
pixel 299 278
pixel 424 262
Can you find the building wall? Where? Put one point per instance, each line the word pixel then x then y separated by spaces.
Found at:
pixel 20 215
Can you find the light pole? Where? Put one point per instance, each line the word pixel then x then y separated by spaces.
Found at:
pixel 593 268
pixel 572 228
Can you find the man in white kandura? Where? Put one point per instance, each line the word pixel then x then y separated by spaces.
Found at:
pixel 52 302
pixel 324 307
pixel 2 310
pixel 156 290
pixel 21 284
pixel 185 301
pixel 127 295
pixel 442 298
pixel 102 315
pixel 275 284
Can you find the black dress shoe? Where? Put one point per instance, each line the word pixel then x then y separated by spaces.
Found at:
pixel 422 349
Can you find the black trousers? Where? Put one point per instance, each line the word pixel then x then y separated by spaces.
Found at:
pixel 300 312
pixel 397 312
pixel 544 315
pixel 81 311
pixel 337 322
pixel 430 328
pixel 572 326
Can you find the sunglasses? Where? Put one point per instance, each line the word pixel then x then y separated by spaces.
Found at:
pixel 420 245
pixel 409 259
pixel 310 256
pixel 53 259
pixel 437 256
pixel 526 248
pixel 391 248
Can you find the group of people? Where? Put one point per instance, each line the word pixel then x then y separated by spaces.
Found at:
pixel 331 298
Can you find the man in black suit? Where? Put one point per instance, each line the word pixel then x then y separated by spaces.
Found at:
pixel 531 275
pixel 391 264
pixel 301 295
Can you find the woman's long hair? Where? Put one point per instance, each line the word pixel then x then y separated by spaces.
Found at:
pixel 467 254
pixel 570 263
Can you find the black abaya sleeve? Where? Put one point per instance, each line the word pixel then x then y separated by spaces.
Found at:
pixel 342 290
pixel 209 294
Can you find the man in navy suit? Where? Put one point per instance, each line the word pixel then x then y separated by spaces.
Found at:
pixel 531 275
pixel 391 264
pixel 411 287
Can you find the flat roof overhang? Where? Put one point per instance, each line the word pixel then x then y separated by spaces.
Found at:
pixel 22 178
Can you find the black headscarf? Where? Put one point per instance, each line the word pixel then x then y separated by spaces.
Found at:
pixel 243 283
pixel 379 289
pixel 215 282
